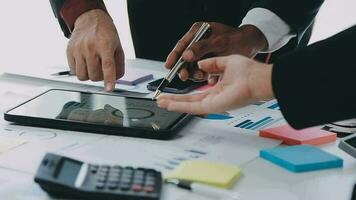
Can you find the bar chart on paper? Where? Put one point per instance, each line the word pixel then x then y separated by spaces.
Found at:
pixel 255 118
pixel 253 125
pixel 173 159
pixel 273 104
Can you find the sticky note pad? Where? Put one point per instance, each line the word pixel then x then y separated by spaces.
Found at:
pixel 301 158
pixel 205 172
pixel 290 136
pixel 135 76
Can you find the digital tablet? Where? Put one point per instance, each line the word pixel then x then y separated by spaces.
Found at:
pixel 98 113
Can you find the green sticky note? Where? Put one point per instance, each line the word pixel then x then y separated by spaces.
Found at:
pixel 206 172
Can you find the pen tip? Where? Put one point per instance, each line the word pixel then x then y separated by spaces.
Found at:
pixel 156 94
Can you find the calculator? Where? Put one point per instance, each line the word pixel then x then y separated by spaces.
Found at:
pixel 63 177
pixel 348 144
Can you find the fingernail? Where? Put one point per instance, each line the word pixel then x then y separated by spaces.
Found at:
pixel 109 87
pixel 211 81
pixel 160 103
pixel 188 55
pixel 199 63
pixel 198 75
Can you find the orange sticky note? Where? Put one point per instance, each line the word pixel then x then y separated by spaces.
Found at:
pixel 290 136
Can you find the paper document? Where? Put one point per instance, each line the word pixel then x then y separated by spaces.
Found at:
pixel 254 118
pixel 8 143
pixel 198 140
pixel 39 141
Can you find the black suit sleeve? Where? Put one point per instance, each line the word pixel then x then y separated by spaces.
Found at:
pixel 298 14
pixel 317 84
pixel 56 7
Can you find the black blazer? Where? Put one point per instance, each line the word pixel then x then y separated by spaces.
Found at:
pixel 157 25
pixel 317 84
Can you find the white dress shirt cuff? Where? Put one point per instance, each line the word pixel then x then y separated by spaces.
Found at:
pixel 277 32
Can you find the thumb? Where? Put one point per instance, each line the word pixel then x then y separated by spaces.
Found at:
pixel 213 65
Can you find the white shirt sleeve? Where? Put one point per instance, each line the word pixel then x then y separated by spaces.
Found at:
pixel 277 32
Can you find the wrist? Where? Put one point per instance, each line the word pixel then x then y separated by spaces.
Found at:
pixel 260 81
pixel 255 38
pixel 91 18
pixel 73 9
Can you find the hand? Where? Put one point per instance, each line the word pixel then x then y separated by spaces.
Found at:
pixel 244 81
pixel 224 40
pixel 94 50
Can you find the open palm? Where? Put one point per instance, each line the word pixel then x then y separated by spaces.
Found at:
pixel 232 91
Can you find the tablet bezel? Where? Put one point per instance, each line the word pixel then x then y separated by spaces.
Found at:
pixel 95 128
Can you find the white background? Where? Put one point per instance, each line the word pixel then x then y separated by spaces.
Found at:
pixel 30 35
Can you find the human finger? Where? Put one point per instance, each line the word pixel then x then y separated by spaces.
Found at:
pixel 81 69
pixel 109 70
pixel 214 65
pixel 181 45
pixel 94 69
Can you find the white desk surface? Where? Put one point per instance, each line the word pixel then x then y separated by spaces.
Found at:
pixel 260 180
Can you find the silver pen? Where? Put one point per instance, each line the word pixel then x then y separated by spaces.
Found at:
pixel 173 72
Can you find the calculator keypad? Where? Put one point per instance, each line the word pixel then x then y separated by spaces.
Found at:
pixel 125 179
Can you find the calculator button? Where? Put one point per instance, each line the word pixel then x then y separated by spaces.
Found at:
pixel 116 167
pixel 149 189
pixel 105 170
pixel 113 185
pixel 138 180
pixel 94 168
pixel 139 175
pixel 101 179
pixel 114 172
pixel 128 171
pixel 129 168
pixel 105 175
pixel 113 179
pixel 151 172
pixel 150 179
pixel 125 186
pixel 126 176
pixel 100 185
pixel 136 188
pixel 139 172
pixel 150 183
pixel 125 181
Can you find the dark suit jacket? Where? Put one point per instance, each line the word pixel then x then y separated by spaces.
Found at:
pixel 317 84
pixel 157 25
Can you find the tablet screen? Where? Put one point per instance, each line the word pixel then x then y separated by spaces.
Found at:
pixel 98 109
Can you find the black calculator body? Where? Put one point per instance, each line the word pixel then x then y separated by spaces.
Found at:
pixel 63 177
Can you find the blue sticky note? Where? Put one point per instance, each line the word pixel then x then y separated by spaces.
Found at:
pixel 301 158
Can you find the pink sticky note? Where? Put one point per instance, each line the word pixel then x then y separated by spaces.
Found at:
pixel 291 136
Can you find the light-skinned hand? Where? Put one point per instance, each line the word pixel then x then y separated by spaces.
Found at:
pixel 244 81
pixel 94 50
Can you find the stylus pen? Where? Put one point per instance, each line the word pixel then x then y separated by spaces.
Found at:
pixel 205 190
pixel 173 72
pixel 63 73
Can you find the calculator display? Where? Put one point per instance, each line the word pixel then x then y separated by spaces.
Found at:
pixel 351 141
pixel 68 172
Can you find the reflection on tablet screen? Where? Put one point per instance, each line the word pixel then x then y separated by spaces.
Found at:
pixel 99 109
